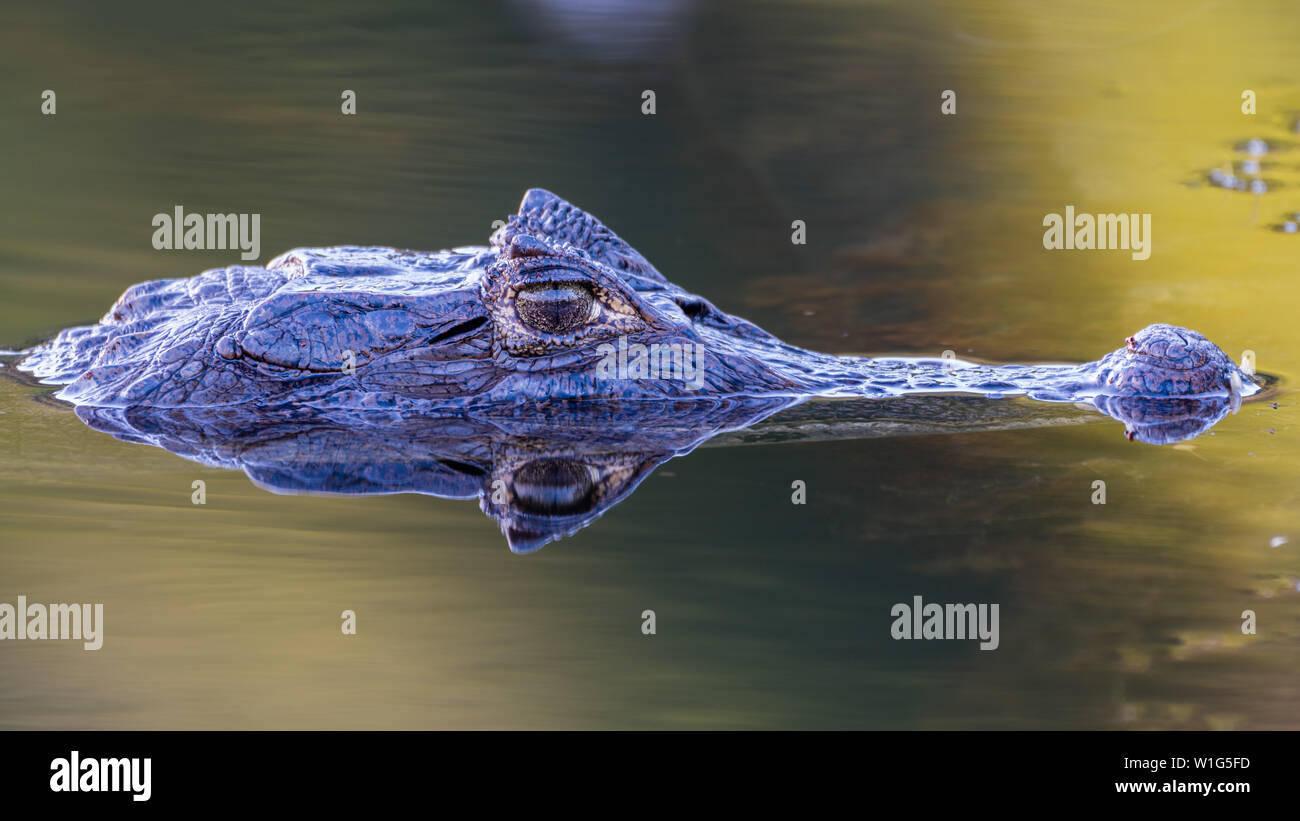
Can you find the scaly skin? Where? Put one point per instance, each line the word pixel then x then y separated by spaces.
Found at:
pixel 530 318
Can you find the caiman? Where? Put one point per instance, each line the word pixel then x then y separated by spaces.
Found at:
pixel 549 311
pixel 546 374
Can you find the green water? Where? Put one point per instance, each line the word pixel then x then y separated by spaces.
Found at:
pixel 924 234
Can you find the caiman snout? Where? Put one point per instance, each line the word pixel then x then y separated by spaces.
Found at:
pixel 1165 360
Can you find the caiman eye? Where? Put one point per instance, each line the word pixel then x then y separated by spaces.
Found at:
pixel 554 308
pixel 554 487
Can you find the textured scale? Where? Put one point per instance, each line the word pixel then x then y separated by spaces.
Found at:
pixel 355 327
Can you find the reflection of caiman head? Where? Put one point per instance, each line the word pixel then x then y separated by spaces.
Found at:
pixel 542 472
pixel 1164 421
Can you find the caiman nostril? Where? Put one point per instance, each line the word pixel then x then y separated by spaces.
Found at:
pixel 693 308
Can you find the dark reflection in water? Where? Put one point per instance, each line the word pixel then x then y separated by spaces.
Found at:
pixel 1164 421
pixel 545 471
pixel 542 472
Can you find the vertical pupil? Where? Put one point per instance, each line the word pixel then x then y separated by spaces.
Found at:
pixel 554 308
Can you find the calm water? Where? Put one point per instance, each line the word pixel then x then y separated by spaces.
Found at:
pixel 924 235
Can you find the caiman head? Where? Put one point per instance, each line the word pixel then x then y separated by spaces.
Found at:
pixel 558 307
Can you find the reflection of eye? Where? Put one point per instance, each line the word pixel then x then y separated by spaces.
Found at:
pixel 554 308
pixel 553 487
